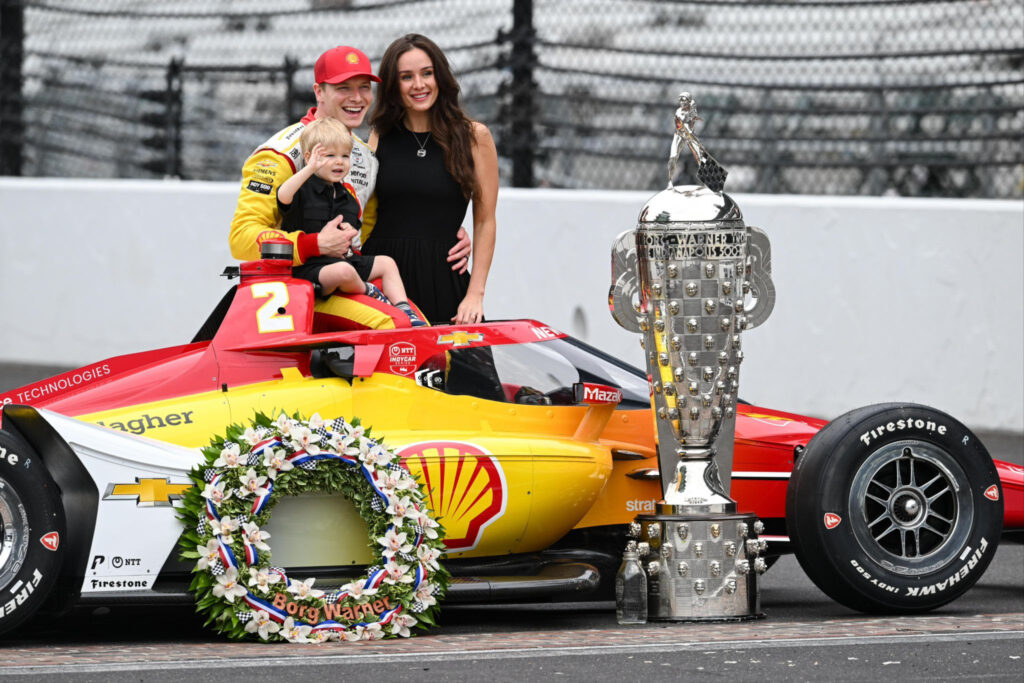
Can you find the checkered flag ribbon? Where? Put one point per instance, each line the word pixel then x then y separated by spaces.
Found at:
pixel 209 474
pixel 253 460
pixel 407 557
pixel 322 433
pixel 712 174
pixel 308 466
pixel 217 568
pixel 395 467
pixel 338 424
pixel 417 606
pixel 242 519
pixel 376 504
pixel 202 527
pixel 331 598
pixel 243 616
pixel 418 529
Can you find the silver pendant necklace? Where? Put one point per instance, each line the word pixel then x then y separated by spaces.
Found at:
pixel 422 151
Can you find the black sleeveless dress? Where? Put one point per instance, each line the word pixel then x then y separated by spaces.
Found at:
pixel 419 210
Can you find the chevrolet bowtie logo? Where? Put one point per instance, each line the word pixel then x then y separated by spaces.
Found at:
pixel 460 338
pixel 148 492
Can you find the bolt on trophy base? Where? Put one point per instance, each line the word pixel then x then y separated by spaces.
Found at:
pixel 690 278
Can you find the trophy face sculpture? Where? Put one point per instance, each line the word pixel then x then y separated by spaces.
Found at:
pixel 690 278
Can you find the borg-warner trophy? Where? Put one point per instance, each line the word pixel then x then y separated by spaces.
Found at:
pixel 690 278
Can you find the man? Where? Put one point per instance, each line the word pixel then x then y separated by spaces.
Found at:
pixel 343 91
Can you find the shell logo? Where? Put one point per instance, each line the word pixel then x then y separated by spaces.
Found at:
pixel 352 58
pixel 465 484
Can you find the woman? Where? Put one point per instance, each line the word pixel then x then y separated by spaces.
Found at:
pixel 433 161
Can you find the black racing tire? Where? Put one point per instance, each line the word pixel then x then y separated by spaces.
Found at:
pixel 33 532
pixel 894 508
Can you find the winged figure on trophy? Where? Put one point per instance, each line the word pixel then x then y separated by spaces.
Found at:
pixel 709 171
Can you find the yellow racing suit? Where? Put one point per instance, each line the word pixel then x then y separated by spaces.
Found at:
pixel 257 218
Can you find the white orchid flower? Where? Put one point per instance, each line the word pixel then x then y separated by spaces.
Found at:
pixel 315 422
pixel 263 578
pixel 356 590
pixel 209 554
pixel 428 556
pixel 394 542
pixel 353 634
pixel 399 509
pixel 230 457
pixel 429 526
pixel 262 623
pixel 355 432
pixel 337 442
pixel 293 633
pixel 276 461
pixel 376 455
pixel 373 632
pixel 304 589
pixel 285 425
pixel 397 573
pixel 321 636
pixel 390 481
pixel 224 527
pixel 227 586
pixel 349 446
pixel 251 436
pixel 401 623
pixel 251 484
pixel 302 439
pixel 256 536
pixel 216 493
pixel 425 594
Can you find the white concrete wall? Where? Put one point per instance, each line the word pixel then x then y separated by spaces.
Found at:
pixel 878 299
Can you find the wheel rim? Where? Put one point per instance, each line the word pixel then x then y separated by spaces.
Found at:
pixel 912 511
pixel 15 533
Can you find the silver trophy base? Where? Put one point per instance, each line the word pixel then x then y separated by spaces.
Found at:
pixel 701 566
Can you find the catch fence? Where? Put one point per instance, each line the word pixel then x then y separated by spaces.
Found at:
pixel 919 98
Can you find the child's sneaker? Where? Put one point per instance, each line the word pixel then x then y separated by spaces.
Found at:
pixel 373 292
pixel 414 319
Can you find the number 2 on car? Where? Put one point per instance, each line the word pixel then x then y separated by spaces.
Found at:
pixel 270 316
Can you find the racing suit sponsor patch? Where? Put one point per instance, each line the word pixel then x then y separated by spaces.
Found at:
pixel 257 186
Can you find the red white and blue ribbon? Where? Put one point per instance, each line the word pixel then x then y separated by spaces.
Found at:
pixel 375 579
pixel 264 445
pixel 211 509
pixel 262 500
pixel 251 556
pixel 227 556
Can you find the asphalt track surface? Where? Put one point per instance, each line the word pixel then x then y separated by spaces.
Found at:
pixel 804 636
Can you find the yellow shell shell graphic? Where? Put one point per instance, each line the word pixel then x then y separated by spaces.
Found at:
pixel 466 485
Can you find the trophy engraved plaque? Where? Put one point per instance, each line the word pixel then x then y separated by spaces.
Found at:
pixel 690 279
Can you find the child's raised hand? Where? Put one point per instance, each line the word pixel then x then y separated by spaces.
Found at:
pixel 318 157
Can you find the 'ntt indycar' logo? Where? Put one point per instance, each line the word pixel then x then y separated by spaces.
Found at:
pixel 466 486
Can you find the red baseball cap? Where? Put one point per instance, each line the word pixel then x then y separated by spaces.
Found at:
pixel 342 63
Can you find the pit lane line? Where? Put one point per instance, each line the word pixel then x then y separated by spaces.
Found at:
pixel 509 653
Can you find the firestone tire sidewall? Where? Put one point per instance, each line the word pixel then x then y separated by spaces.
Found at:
pixel 34 529
pixel 834 542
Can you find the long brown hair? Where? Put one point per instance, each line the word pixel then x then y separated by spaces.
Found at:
pixel 449 124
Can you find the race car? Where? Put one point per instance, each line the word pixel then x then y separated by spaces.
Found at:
pixel 537 451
